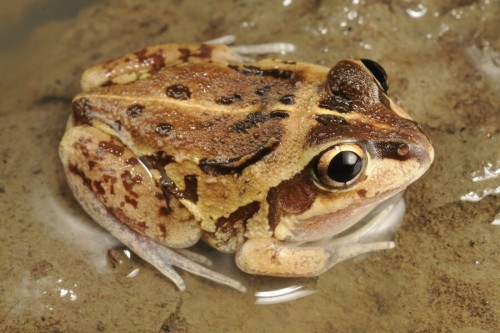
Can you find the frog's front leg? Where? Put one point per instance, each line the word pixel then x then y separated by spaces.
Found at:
pixel 145 62
pixel 268 256
pixel 113 186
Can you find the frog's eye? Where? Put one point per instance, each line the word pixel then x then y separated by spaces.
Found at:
pixel 339 166
pixel 377 71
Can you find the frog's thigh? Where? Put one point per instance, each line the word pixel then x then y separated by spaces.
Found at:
pixel 146 61
pixel 100 170
pixel 267 256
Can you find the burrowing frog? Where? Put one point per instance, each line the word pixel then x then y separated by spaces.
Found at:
pixel 270 160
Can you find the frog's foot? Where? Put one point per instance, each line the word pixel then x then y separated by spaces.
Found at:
pixel 253 49
pixel 271 257
pixel 164 258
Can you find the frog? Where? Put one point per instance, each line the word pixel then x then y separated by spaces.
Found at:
pixel 281 163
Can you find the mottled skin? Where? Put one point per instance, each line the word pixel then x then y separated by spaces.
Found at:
pixel 182 142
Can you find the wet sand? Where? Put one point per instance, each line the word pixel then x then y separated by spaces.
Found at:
pixel 444 68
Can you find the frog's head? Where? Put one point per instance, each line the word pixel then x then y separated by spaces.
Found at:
pixel 361 150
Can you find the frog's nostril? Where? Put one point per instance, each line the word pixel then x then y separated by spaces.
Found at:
pixel 403 149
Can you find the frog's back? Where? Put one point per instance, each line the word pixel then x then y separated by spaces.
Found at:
pixel 235 105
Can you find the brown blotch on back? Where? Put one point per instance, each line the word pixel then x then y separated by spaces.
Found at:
pixel 228 100
pixel 135 110
pixel 330 120
pixel 256 118
pixel 288 100
pixel 163 128
pixel 262 91
pixel 179 92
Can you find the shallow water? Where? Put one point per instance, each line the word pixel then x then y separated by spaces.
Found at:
pixel 444 68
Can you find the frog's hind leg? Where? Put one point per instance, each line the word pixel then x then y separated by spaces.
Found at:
pixel 147 61
pixel 121 195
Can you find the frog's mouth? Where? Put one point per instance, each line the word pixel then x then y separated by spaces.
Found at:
pixel 336 224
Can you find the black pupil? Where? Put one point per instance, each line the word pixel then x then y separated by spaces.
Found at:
pixel 345 166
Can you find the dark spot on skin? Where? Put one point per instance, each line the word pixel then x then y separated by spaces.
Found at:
pixel 243 213
pixel 278 114
pixel 394 150
pixel 163 129
pixel 163 229
pixel 131 201
pixel 91 164
pixel 86 181
pixel 262 91
pixel 157 161
pixel 288 99
pixel 112 180
pixel 191 187
pixel 228 100
pixel 185 54
pixel 205 51
pixel 178 91
pixel 156 59
pixel 112 148
pixel 131 161
pixel 330 120
pixel 82 111
pixel 165 210
pixel 361 193
pixel 129 181
pixel 256 71
pixel 236 165
pixel 135 110
pixel 142 225
pixel 98 187
pixel 253 119
pixel 338 102
pixel 227 225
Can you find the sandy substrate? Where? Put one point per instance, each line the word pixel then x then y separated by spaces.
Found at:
pixel 444 68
